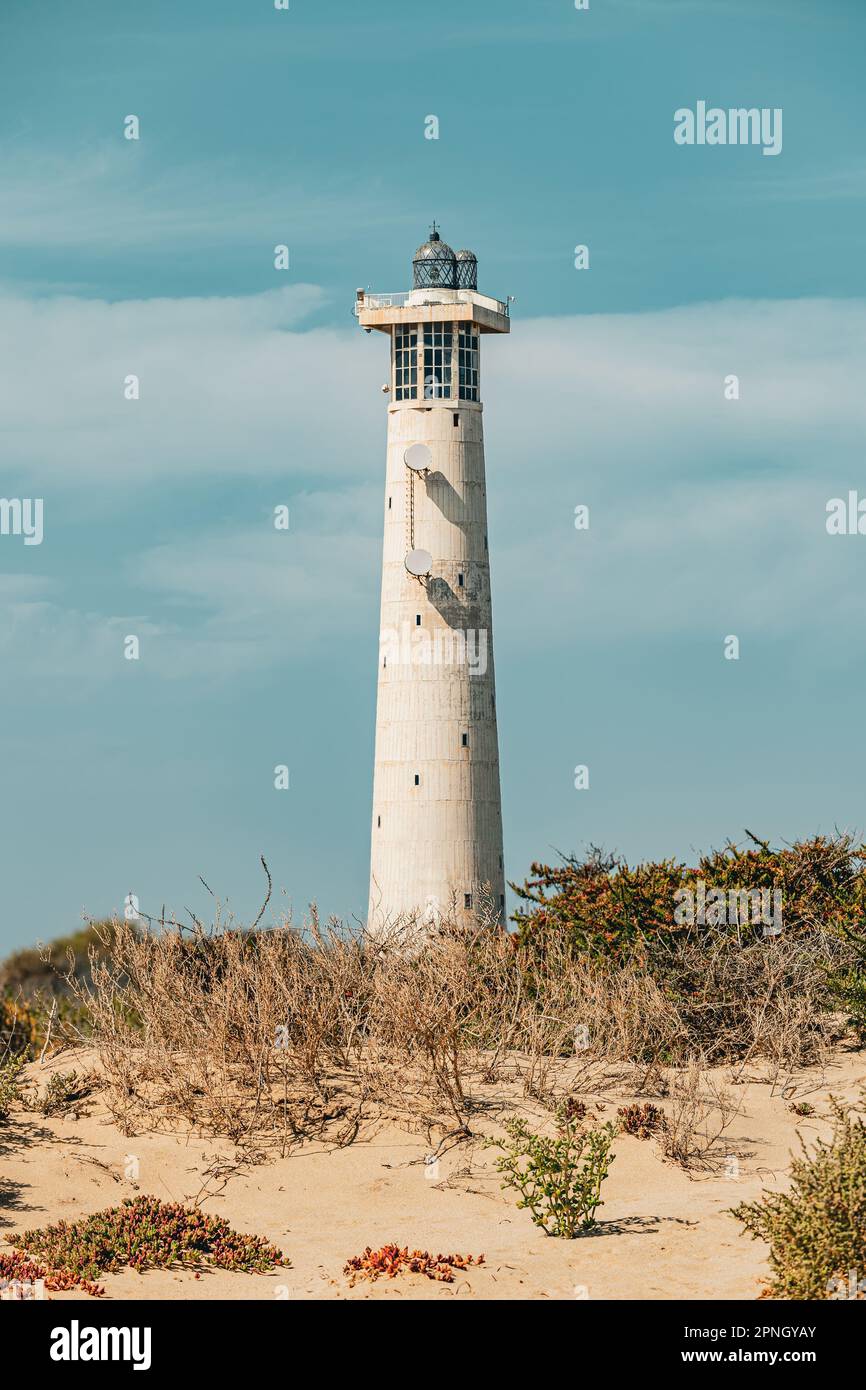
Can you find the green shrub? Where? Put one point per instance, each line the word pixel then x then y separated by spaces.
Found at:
pixel 848 986
pixel 559 1179
pixel 817 1231
pixel 606 908
pixel 599 904
pixel 10 1085
pixel 64 1092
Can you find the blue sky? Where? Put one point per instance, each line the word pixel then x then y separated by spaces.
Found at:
pixel 707 516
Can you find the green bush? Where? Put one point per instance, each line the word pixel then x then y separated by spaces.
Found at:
pixel 559 1179
pixel 817 1231
pixel 64 1093
pixel 848 986
pixel 606 908
pixel 598 904
pixel 10 1085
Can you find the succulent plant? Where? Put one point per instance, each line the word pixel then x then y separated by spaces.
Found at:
pixel 142 1233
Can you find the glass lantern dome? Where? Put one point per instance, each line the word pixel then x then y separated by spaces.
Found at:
pixel 434 265
pixel 467 270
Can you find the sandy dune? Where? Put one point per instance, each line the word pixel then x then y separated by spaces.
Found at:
pixel 663 1234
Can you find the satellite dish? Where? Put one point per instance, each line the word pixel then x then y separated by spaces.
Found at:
pixel 419 563
pixel 418 457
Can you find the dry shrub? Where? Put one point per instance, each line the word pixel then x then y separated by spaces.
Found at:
pixel 269 1036
pixel 701 1110
pixel 225 1032
pixel 276 1034
pixel 767 997
pixel 582 1018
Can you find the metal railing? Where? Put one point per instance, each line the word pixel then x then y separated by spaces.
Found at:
pixel 402 299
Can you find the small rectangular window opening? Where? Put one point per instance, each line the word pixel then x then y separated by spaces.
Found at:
pixel 417 619
pixel 417 779
pixel 460 581
pixel 379 822
pixel 456 420
pixel 389 504
pixel 464 739
pixel 467 899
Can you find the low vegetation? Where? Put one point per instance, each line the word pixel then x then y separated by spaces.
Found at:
pixel 65 1093
pixel 643 1121
pixel 142 1233
pixel 37 971
pixel 391 1260
pixel 10 1085
pixel 38 1008
pixel 701 1108
pixel 558 1177
pixel 816 1231
pixel 607 908
pixel 268 1036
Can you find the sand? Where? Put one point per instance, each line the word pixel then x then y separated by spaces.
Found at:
pixel 663 1233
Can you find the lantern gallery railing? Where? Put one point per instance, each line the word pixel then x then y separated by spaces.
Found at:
pixel 401 300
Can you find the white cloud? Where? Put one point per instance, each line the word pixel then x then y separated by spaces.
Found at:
pixel 215 604
pixel 116 196
pixel 227 386
pixel 233 386
pixel 50 641
pixel 644 392
pixel 706 513
pixel 276 593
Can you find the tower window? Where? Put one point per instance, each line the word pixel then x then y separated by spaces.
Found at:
pixel 467 361
pixel 405 363
pixel 438 340
pixel 417 779
pixel 456 419
pixel 389 504
pixel 464 740
pixel 417 619
pixel 460 581
pixel 467 899
pixel 378 822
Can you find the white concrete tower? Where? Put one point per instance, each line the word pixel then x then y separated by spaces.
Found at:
pixel 437 816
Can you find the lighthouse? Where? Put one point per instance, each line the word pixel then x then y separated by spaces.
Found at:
pixel 436 848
